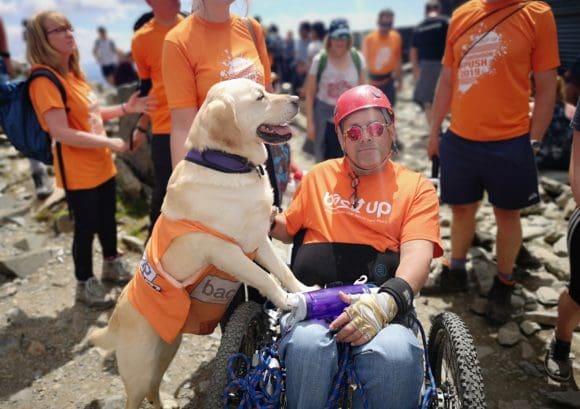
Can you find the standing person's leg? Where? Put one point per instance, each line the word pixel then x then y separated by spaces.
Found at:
pixel 161 157
pixel 114 270
pixel 557 360
pixel 84 206
pixel 390 368
pixel 511 182
pixel 389 90
pixel 311 358
pixel 322 114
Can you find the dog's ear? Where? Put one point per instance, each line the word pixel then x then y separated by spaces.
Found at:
pixel 221 122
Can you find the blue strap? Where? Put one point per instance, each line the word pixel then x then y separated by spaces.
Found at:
pixel 345 376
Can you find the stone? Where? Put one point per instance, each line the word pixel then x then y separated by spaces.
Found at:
pixel 483 351
pixel 133 243
pixel 14 211
pixel 36 348
pixel 561 247
pixel 32 242
pixel 531 232
pixel 529 327
pixel 509 334
pixel 526 350
pixel 64 224
pixel 547 296
pixel 25 264
pixel 558 266
pixel 9 345
pixel 542 317
pixel 530 369
pixel 15 316
pixel 551 186
pixel 570 399
pixel 478 306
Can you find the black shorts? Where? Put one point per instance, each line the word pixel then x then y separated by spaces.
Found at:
pixel 506 170
pixel 108 69
pixel 574 254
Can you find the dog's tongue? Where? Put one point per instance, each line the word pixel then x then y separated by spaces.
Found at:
pixel 275 129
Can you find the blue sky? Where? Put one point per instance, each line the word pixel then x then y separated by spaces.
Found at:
pixel 118 16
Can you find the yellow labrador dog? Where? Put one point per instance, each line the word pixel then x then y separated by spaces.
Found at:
pixel 215 218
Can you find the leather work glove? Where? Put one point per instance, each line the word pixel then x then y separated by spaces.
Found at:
pixel 370 313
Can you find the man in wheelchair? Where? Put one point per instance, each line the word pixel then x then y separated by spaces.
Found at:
pixel 361 214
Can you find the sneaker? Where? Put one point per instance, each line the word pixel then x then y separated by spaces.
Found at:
pixel 42 185
pixel 499 302
pixel 556 369
pixel 115 271
pixel 93 294
pixel 527 260
pixel 446 281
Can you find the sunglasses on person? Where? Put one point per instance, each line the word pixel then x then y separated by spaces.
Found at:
pixel 387 24
pixel 61 29
pixel 375 129
pixel 342 37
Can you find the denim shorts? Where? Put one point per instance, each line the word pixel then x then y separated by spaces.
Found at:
pixel 506 170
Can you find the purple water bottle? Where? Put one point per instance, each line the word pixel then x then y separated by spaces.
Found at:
pixel 324 303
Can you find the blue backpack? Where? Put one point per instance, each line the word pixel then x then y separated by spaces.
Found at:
pixel 18 118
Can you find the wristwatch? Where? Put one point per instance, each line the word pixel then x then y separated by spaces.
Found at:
pixel 535 145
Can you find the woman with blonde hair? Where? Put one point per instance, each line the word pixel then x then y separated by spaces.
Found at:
pixel 335 69
pixel 88 172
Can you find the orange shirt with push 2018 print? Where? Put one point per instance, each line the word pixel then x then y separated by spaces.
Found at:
pixel 198 54
pixel 85 168
pixel 382 53
pixel 394 206
pixel 491 83
pixel 146 48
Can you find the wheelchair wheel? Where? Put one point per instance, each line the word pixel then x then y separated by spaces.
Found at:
pixel 454 364
pixel 245 332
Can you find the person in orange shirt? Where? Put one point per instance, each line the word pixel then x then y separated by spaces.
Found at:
pixel 382 49
pixel 146 47
pixel 361 214
pixel 492 47
pixel 88 168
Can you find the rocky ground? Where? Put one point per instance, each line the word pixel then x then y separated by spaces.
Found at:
pixel 41 328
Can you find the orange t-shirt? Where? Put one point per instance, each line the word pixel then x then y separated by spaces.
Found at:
pixel 198 54
pixel 85 168
pixel 146 48
pixel 382 53
pixel 394 206
pixel 491 86
pixel 171 307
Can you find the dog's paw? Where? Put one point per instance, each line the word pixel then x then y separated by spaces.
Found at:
pixel 292 301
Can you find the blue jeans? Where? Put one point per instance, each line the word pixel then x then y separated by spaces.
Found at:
pixel 390 367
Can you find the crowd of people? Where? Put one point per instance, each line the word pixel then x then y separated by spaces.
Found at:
pixel 356 201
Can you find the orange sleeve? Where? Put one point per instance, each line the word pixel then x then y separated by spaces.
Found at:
pixel 139 56
pixel 422 219
pixel 178 77
pixel 262 52
pixel 545 53
pixel 44 96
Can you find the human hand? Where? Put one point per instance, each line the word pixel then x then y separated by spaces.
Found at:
pixel 364 318
pixel 140 104
pixel 117 145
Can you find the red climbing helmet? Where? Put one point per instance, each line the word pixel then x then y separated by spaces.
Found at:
pixel 360 97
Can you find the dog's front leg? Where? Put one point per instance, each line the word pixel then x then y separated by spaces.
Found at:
pixel 230 259
pixel 268 258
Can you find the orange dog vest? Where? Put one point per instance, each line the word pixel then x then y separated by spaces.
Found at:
pixel 171 307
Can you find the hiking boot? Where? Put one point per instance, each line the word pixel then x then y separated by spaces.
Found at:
pixel 42 185
pixel 499 302
pixel 116 271
pixel 446 281
pixel 527 260
pixel 93 294
pixel 556 369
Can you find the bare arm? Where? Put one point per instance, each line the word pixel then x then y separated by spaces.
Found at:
pixel 60 131
pixel 181 120
pixel 279 231
pixel 440 109
pixel 545 97
pixel 416 257
pixel 135 104
pixel 414 58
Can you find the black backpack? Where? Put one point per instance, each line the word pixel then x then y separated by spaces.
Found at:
pixel 19 122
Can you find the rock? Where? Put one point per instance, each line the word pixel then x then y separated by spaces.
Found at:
pixel 127 181
pixel 526 350
pixel 483 351
pixel 484 272
pixel 531 232
pixel 514 404
pixel 36 348
pixel 551 186
pixel 570 399
pixel 529 327
pixel 24 264
pixel 509 334
pixel 24 396
pixel 14 211
pixel 569 208
pixel 15 316
pixel 64 224
pixel 547 296
pixel 478 306
pixel 530 369
pixel 114 402
pixel 542 317
pixel 32 242
pixel 535 209
pixel 564 198
pixel 133 243
pixel 561 247
pixel 9 345
pixel 558 266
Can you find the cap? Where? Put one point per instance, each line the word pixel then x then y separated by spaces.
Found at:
pixel 338 26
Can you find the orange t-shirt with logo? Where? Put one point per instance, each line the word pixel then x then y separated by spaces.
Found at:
pixel 85 168
pixel 198 54
pixel 491 83
pixel 394 206
pixel 146 48
pixel 195 306
pixel 382 53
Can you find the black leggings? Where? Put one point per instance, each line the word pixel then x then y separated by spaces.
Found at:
pixel 574 255
pixel 94 213
pixel 161 157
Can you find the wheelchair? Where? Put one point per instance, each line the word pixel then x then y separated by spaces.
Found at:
pixel 452 372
